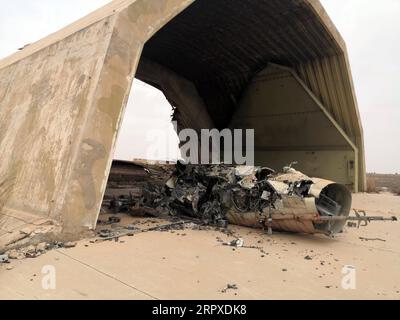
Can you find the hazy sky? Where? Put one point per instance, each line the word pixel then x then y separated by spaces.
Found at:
pixel 371 30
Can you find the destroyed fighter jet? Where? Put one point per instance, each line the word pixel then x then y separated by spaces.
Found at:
pixel 255 197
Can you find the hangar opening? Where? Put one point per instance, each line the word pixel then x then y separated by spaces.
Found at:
pixel 146 137
pixel 147 132
pixel 230 64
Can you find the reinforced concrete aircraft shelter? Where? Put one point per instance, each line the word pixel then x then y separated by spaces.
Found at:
pixel 278 66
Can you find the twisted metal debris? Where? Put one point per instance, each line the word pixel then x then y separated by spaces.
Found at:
pixel 250 196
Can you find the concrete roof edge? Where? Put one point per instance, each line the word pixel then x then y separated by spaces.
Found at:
pixel 106 11
pixel 327 22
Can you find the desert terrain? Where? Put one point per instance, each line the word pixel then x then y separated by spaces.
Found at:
pixel 383 183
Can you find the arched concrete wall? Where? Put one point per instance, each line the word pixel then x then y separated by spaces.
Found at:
pixel 61 105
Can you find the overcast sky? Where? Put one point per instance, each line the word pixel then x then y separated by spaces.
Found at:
pixel 371 30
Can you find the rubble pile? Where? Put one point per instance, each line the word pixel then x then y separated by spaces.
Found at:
pixel 34 251
pixel 247 196
pixel 209 192
pixel 250 196
pixel 127 180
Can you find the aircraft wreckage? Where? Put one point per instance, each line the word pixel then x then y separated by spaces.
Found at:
pixel 247 196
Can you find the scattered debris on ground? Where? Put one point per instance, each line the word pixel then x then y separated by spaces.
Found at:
pixel 238 243
pixel 34 251
pixel 242 195
pixel 285 258
pixel 202 197
pixel 108 234
pixel 30 233
pixel 4 258
pixel 230 287
pixel 371 239
pixel 16 254
pixel 69 245
pixel 113 220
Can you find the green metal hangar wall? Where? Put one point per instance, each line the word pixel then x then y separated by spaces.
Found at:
pixel 278 66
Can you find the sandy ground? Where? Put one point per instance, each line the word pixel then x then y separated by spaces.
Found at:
pixel 193 264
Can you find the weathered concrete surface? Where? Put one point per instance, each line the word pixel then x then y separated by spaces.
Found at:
pixel 62 99
pixel 61 107
pixel 44 108
pixel 149 266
